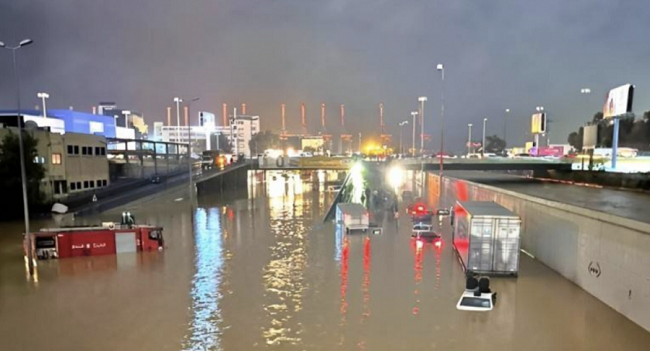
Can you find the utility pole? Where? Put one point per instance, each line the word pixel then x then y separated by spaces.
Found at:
pixel 414 114
pixel 21 148
pixel 483 142
pixel 422 99
pixel 469 140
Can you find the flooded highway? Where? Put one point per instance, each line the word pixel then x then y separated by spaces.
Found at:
pixel 257 269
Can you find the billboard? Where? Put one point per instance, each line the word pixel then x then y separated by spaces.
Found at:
pixel 538 123
pixel 590 137
pixel 618 101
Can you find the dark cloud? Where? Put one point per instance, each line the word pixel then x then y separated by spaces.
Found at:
pixel 498 54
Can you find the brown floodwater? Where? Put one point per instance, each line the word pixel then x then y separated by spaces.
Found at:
pixel 259 270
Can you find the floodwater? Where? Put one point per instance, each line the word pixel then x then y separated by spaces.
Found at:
pixel 258 270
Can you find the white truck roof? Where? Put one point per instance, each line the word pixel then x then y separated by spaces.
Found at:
pixel 486 208
pixel 352 209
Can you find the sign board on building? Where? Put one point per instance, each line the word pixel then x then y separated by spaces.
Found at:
pixel 618 101
pixel 538 123
pixel 590 137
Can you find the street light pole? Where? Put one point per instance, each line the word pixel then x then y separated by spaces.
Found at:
pixel 401 127
pixel 422 99
pixel 505 120
pixel 469 140
pixel 414 114
pixel 43 96
pixel 441 68
pixel 541 110
pixel 21 148
pixel 483 142
pixel 178 101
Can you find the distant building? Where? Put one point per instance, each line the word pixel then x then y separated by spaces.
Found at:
pixel 73 162
pixel 243 128
pixel 203 137
pixel 73 121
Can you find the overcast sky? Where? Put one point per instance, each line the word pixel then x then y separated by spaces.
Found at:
pixel 498 54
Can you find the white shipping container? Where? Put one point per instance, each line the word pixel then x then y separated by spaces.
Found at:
pixel 486 237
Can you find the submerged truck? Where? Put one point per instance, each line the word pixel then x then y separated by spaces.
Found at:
pixel 352 217
pixel 486 238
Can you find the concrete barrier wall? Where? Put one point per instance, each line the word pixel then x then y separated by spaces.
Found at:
pixel 606 255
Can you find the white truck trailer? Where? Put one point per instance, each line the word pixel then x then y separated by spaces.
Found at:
pixel 486 238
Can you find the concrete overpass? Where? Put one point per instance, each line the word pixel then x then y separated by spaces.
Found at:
pixel 487 164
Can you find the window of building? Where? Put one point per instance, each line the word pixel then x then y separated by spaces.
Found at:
pixel 92 183
pixel 104 182
pixel 78 185
pixel 59 187
pixel 97 152
pixel 56 159
pixel 73 186
pixel 86 183
pixel 70 149
pixel 39 159
pixel 103 149
pixel 76 149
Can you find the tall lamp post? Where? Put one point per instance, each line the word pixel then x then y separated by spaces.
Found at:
pixel 469 140
pixel 178 101
pixel 414 114
pixel 43 96
pixel 401 127
pixel 505 120
pixel 586 92
pixel 540 109
pixel 441 69
pixel 483 141
pixel 23 173
pixel 422 100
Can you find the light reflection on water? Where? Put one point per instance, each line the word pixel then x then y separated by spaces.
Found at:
pixel 283 276
pixel 205 325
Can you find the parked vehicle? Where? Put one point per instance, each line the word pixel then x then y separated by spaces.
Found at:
pixel 424 229
pixel 486 237
pixel 107 239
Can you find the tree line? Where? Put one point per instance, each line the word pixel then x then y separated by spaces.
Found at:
pixel 633 133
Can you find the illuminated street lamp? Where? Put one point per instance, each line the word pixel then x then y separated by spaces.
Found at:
pixel 414 114
pixel 401 127
pixel 505 120
pixel 43 96
pixel 440 68
pixel 483 142
pixel 469 139
pixel 23 173
pixel 422 100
